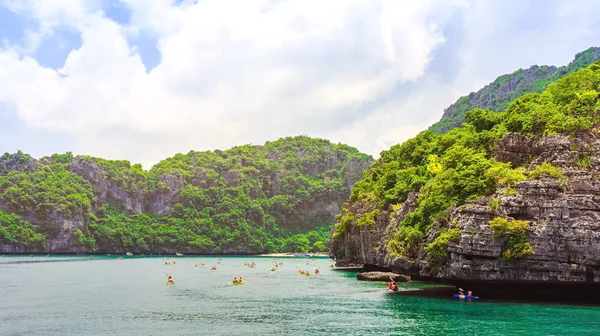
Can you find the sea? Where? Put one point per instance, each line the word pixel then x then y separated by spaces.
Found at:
pixel 129 295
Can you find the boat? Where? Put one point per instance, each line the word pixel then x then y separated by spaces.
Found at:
pixel 393 288
pixel 170 282
pixel 272 271
pixel 239 283
pixel 179 254
pixel 465 297
pixel 129 253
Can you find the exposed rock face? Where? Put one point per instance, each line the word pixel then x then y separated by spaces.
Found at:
pixel 161 201
pixel 563 216
pixel 382 276
pixel 18 162
pixel 105 191
pixel 353 171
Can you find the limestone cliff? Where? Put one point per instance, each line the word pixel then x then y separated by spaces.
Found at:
pixel 508 198
pixel 564 217
pixel 231 201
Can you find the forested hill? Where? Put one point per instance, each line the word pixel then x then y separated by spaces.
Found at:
pixel 509 196
pixel 497 95
pixel 281 196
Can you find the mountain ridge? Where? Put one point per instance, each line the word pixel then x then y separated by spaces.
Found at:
pixel 247 199
pixel 497 95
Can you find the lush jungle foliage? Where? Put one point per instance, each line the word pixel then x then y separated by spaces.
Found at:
pixel 251 199
pixel 449 169
pixel 501 92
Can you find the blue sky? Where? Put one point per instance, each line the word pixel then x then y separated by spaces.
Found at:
pixel 139 80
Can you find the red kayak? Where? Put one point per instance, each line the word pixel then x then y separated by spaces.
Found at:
pixel 392 288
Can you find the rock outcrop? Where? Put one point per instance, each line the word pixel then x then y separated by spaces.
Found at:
pixel 563 216
pixel 382 276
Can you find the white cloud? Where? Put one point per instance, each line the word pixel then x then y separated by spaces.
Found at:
pixel 231 72
pixel 235 72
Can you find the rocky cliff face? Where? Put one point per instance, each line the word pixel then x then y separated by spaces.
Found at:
pixel 497 95
pixel 563 217
pixel 135 201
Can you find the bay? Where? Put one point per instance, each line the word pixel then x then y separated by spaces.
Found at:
pixel 79 295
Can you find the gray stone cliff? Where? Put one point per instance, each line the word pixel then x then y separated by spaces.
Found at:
pixel 563 216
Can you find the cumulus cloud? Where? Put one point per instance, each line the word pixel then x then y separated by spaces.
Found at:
pixel 235 72
pixel 231 72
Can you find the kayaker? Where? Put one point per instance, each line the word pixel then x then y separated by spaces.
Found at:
pixel 240 281
pixel 234 280
pixel 461 291
pixel 469 293
pixel 170 280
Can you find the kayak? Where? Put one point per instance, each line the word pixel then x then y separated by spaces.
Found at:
pixel 393 290
pixel 466 297
pixel 170 283
pixel 239 283
pixel 270 271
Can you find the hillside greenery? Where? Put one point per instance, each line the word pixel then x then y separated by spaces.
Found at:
pixel 247 199
pixel 449 169
pixel 497 95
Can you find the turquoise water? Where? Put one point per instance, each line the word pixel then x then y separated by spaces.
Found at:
pixel 107 296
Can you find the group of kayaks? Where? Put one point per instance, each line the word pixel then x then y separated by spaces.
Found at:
pixel 236 282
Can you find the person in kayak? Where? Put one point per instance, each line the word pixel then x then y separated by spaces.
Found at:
pixel 392 285
pixel 170 280
pixel 470 293
pixel 235 280
pixel 461 291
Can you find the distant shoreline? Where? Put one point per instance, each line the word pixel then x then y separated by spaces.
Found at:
pixel 272 255
pixel 291 254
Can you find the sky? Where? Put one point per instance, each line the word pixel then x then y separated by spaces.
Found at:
pixel 142 80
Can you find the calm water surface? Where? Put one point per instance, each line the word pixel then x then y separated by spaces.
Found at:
pixel 106 296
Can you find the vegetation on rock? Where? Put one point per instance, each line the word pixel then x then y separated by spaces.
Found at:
pixel 447 170
pixel 517 246
pixel 437 251
pixel 247 199
pixel 500 93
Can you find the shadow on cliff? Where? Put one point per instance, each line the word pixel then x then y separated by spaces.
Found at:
pixel 514 292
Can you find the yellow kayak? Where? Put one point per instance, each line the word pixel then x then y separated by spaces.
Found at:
pixel 239 283
pixel 170 283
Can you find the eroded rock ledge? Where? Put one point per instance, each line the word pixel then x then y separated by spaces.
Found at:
pixel 382 276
